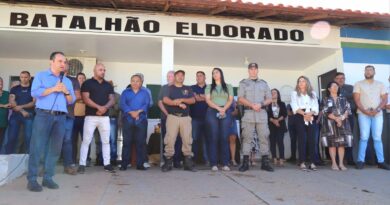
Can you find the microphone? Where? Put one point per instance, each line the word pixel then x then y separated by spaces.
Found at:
pixel 61 76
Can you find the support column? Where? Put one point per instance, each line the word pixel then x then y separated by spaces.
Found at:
pixel 166 58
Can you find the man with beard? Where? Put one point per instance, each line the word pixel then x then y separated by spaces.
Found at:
pixel 370 97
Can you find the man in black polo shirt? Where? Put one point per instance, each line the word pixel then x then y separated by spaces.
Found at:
pixel 98 96
pixel 177 99
pixel 22 105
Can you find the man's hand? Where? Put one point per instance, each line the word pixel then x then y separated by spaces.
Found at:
pixel 59 87
pixel 256 107
pixel 177 102
pixel 182 106
pixel 101 110
pixel 25 114
pixel 17 108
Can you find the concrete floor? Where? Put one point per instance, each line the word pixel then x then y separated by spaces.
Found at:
pixel 286 185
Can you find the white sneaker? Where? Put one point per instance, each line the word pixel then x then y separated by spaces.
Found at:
pixel 214 168
pixel 146 165
pixel 225 168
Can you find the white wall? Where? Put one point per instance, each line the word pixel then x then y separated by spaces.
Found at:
pixel 327 64
pixel 355 72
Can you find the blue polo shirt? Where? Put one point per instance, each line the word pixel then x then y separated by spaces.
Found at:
pixel 199 109
pixel 131 101
pixel 46 79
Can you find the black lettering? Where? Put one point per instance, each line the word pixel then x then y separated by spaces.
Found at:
pixel 194 30
pixel 117 23
pixel 230 31
pixel 39 20
pixel 247 32
pixel 280 34
pixel 18 19
pixel 132 25
pixel 297 35
pixel 213 30
pixel 92 24
pixel 77 22
pixel 151 26
pixel 180 26
pixel 59 20
pixel 264 33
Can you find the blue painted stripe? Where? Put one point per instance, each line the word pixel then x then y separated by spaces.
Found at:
pixel 366 55
pixel 380 34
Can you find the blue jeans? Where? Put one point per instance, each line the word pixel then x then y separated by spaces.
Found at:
pixel 67 147
pixel 199 138
pixel 134 131
pixel 375 124
pixel 218 135
pixel 15 121
pixel 113 137
pixel 48 130
pixel 78 130
pixel 293 138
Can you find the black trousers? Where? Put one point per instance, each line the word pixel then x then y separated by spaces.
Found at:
pixel 306 138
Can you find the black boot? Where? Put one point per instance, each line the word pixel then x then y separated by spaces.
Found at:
pixel 167 165
pixel 189 164
pixel 265 164
pixel 245 164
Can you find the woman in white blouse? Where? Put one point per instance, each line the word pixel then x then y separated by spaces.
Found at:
pixel 304 104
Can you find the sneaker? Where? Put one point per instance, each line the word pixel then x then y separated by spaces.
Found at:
pixel 109 168
pixel 313 167
pixel 225 168
pixel 383 166
pixel 70 170
pixel 303 167
pixel 359 165
pixel 214 168
pixel 146 165
pixel 81 169
pixel 34 186
pixel 50 184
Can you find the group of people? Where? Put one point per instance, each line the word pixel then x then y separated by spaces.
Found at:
pixel 196 121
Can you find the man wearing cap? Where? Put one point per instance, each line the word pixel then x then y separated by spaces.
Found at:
pixel 254 94
pixel 177 99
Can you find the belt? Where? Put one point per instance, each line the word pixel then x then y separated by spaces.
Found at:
pixel 249 108
pixel 178 114
pixel 52 112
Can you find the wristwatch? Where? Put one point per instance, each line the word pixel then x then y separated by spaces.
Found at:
pixel 66 94
pixel 378 109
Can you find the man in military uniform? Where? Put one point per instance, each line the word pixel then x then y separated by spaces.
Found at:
pixel 254 94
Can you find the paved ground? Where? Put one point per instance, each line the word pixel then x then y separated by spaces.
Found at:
pixel 286 185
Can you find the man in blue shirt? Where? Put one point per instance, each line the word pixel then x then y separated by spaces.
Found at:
pixel 134 104
pixel 198 115
pixel 22 105
pixel 53 92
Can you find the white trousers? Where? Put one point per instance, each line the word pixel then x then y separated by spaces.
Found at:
pixel 103 125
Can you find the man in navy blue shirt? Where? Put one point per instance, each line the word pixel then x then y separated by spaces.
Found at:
pixel 198 114
pixel 22 105
pixel 53 92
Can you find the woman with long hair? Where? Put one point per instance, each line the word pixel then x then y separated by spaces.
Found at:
pixel 277 113
pixel 304 104
pixel 219 97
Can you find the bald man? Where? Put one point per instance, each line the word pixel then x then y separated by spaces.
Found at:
pixel 98 96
